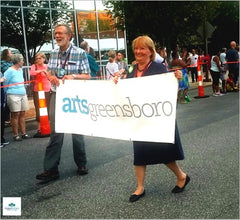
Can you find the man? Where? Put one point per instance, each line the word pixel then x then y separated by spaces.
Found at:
pixel 222 58
pixel 232 56
pixel 66 63
pixel 193 63
pixel 122 65
pixel 94 67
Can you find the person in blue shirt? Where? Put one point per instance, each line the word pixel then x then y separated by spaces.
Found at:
pixel 16 97
pixel 94 67
pixel 233 59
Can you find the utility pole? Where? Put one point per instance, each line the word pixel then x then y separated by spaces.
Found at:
pixel 205 29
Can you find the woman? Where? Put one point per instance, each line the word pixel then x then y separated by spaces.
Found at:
pixel 38 72
pixel 5 64
pixel 16 97
pixel 5 60
pixel 183 82
pixel 147 153
pixel 215 73
pixel 112 67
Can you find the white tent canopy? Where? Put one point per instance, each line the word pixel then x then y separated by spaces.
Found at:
pixel 105 44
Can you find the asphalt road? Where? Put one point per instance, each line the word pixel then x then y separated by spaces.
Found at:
pixel 209 129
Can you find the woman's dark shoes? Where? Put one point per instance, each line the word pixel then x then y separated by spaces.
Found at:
pixel 177 189
pixel 39 135
pixel 134 197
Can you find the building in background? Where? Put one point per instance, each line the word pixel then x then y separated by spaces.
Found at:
pixel 34 23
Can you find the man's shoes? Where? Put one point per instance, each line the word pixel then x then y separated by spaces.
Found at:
pixel 177 189
pixel 39 135
pixel 48 176
pixel 82 170
pixel 134 197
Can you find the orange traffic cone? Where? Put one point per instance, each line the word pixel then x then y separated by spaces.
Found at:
pixel 200 83
pixel 44 120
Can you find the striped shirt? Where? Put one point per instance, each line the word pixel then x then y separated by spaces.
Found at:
pixel 5 65
pixel 73 61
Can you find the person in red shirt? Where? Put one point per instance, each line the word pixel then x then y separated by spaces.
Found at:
pixel 206 60
pixel 38 69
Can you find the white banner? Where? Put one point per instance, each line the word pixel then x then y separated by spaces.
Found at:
pixel 139 109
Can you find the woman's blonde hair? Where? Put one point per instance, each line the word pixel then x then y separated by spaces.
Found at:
pixel 111 56
pixel 147 42
pixel 41 54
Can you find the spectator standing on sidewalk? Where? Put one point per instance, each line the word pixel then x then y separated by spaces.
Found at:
pixel 215 73
pixel 66 63
pixel 6 60
pixel 94 67
pixel 38 71
pixel 16 97
pixel 183 82
pixel 112 67
pixel 223 68
pixel 193 65
pixel 121 63
pixel 232 56
pixel 207 65
pixel 3 103
pixel 163 54
pixel 5 64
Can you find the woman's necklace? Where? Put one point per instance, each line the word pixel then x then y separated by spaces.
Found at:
pixel 142 71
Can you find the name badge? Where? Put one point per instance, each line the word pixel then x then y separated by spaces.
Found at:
pixel 61 73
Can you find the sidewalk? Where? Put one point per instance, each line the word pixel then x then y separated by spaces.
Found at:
pixel 30 114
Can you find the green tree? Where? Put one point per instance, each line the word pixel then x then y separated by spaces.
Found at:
pixel 37 23
pixel 174 22
pixel 227 25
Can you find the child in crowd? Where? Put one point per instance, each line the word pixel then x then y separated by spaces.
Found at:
pixel 230 85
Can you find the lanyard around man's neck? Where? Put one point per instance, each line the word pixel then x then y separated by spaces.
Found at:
pixel 66 59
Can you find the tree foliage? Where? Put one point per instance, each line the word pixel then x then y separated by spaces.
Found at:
pixel 36 20
pixel 176 22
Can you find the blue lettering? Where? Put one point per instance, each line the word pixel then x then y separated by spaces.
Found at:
pixel 74 104
pixel 67 107
pixel 85 107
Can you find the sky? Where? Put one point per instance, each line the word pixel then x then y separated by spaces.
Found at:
pixel 88 5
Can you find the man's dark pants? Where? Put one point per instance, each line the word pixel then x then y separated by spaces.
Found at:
pixel 54 147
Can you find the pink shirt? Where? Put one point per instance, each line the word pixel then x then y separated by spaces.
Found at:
pixel 45 81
